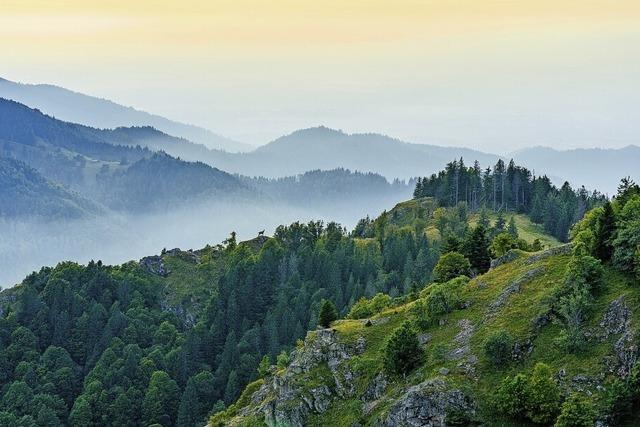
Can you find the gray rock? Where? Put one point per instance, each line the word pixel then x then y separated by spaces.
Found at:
pixel 443 371
pixel 510 256
pixel 512 288
pixel 187 318
pixel 462 339
pixel 522 349
pixel 376 388
pixel 427 404
pixel 626 350
pixel 282 401
pixel 556 250
pixel 424 338
pixel 154 265
pixel 617 318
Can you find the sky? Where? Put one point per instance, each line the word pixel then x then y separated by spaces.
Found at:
pixel 487 74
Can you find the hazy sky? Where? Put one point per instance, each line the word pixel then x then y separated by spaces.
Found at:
pixel 488 74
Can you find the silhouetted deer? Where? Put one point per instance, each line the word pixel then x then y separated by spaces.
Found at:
pixel 260 233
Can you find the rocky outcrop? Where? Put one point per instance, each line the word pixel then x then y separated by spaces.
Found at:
pixel 617 318
pixel 154 265
pixel 281 400
pixel 510 256
pixel 617 321
pixel 513 288
pixel 556 250
pixel 376 388
pixel 187 318
pixel 427 404
pixel 626 350
pixel 462 352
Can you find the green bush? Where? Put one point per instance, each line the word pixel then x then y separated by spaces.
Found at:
pixel 498 348
pixel 282 360
pixel 503 243
pixel 402 353
pixel 450 266
pixel 511 396
pixel 543 395
pixel 368 307
pixel 577 411
pixel 442 298
pixel 535 397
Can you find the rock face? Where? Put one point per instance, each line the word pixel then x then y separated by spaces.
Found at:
pixel 187 318
pixel 510 256
pixel 154 265
pixel 282 402
pixel 617 318
pixel 376 388
pixel 557 250
pixel 626 350
pixel 617 321
pixel 427 404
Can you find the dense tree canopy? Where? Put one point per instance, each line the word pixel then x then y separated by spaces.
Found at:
pixel 510 188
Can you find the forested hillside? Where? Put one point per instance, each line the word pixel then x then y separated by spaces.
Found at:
pixel 171 338
pixel 174 337
pixel 544 338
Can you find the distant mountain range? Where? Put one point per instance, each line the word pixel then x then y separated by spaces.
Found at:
pixel 322 148
pixel 96 112
pixel 115 168
pixel 325 148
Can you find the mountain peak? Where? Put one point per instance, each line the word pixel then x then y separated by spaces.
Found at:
pixel 316 131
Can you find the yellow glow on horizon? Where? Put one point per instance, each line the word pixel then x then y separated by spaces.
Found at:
pixel 253 24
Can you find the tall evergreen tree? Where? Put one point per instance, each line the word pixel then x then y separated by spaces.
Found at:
pixel 328 313
pixel 605 233
pixel 403 352
pixel 476 249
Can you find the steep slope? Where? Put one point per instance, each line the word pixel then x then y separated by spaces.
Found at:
pixel 24 192
pixel 101 113
pixel 594 168
pixel 336 377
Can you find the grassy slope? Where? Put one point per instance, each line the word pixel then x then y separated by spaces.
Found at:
pixel 417 214
pixel 516 316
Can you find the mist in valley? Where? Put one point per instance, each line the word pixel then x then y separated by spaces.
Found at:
pixel 27 245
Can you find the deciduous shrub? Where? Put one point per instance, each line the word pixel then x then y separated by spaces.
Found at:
pixel 450 266
pixel 498 348
pixel 577 411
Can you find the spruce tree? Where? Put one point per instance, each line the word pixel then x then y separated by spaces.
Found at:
pixel 328 314
pixel 402 353
pixel 476 249
pixel 513 229
pixel 605 233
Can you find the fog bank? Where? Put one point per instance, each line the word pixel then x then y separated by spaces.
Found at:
pixel 27 245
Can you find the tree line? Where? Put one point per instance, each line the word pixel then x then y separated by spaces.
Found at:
pixel 510 188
